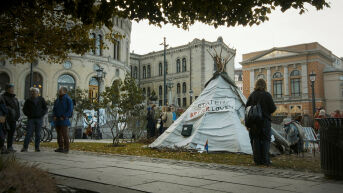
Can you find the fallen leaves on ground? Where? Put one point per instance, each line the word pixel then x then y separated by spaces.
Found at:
pixel 307 163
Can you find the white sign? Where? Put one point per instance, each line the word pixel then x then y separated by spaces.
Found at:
pixel 201 107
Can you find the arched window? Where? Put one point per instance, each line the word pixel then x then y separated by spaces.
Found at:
pixel 4 79
pixel 93 88
pixel 37 82
pixel 98 42
pixel 149 71
pixel 260 76
pixel 144 72
pixel 295 83
pixel 295 73
pixel 178 66
pixel 277 75
pixel 144 92
pixel 277 85
pixel 160 70
pixel 184 66
pixel 178 88
pixel 160 90
pixel 184 89
pixel 135 72
pixel 148 92
pixel 67 81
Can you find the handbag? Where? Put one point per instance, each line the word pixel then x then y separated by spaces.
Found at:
pixel 254 115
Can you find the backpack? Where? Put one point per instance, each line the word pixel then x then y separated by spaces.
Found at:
pixel 253 115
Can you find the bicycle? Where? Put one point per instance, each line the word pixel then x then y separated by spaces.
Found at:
pixel 21 131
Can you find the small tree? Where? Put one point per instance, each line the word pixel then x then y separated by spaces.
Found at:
pixel 132 106
pixel 81 103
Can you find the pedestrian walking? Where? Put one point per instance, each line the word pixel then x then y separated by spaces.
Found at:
pixel 34 108
pixel 3 128
pixel 12 106
pixel 62 111
pixel 167 119
pixel 260 132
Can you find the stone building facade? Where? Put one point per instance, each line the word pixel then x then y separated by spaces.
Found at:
pixel 286 71
pixel 333 87
pixel 77 71
pixel 189 67
pixel 239 78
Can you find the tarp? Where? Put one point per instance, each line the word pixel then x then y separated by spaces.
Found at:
pixel 216 116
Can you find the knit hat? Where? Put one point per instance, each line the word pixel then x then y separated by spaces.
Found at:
pixel 9 86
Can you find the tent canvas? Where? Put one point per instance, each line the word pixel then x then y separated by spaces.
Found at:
pixel 216 116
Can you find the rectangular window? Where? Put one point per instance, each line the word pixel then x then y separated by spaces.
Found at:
pixel 278 88
pixel 116 52
pixel 160 103
pixel 98 42
pixel 295 87
pixel 184 102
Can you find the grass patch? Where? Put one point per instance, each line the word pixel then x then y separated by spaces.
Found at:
pixel 19 177
pixel 307 163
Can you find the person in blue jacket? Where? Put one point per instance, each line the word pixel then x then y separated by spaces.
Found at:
pixel 62 111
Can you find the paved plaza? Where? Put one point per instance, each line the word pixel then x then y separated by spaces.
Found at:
pixel 118 173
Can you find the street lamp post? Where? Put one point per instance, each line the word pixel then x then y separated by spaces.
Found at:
pixel 164 71
pixel 170 85
pixel 313 79
pixel 100 75
pixel 190 96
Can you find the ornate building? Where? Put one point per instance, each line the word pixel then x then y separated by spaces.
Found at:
pixel 78 71
pixel 188 68
pixel 239 78
pixel 286 71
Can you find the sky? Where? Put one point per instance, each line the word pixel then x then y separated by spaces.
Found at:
pixel 282 29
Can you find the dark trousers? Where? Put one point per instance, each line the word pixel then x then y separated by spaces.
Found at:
pixel 12 125
pixel 260 143
pixel 62 137
pixel 33 125
pixel 261 151
pixel 2 135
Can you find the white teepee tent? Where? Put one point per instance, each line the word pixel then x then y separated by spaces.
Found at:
pixel 215 116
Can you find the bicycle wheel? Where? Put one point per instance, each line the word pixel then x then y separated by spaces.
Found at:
pixel 42 134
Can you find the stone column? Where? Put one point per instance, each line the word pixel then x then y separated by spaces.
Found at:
pixel 285 75
pixel 269 80
pixel 252 80
pixel 304 81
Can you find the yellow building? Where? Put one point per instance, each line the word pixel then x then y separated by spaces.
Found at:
pixel 286 71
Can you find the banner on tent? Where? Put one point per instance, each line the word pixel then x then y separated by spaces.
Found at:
pixel 212 105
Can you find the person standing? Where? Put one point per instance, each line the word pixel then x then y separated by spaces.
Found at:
pixel 62 111
pixel 3 115
pixel 167 119
pixel 151 126
pixel 260 133
pixel 34 108
pixel 12 106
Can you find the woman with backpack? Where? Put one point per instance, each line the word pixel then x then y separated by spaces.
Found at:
pixel 260 128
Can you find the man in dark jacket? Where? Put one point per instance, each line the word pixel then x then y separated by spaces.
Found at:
pixel 62 111
pixel 260 133
pixel 34 108
pixel 3 115
pixel 12 106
